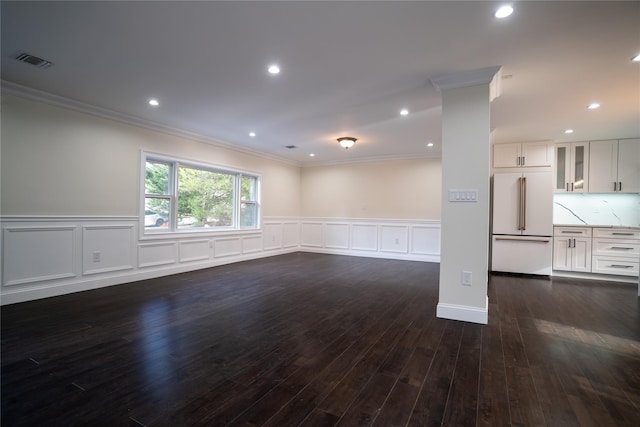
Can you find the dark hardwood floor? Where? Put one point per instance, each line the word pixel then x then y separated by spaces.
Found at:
pixel 314 340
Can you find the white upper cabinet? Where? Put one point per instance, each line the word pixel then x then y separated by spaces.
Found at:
pixel 572 168
pixel 629 165
pixel 614 166
pixel 526 154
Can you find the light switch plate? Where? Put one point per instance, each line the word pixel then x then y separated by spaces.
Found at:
pixel 468 196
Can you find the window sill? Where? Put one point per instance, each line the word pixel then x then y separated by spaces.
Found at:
pixel 164 235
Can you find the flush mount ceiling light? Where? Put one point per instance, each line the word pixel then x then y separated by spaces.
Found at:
pixel 593 106
pixel 503 12
pixel 274 69
pixel 636 58
pixel 568 131
pixel 252 134
pixel 154 102
pixel 430 144
pixel 346 142
pixel 312 155
pixel 404 112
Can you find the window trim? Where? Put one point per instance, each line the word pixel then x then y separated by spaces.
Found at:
pixel 173 230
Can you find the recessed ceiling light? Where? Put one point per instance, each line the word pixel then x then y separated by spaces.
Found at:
pixel 430 144
pixel 636 58
pixel 252 134
pixel 593 106
pixel 312 155
pixel 404 112
pixel 154 102
pixel 274 69
pixel 503 12
pixel 568 131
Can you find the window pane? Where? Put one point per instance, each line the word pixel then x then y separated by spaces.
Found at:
pixel 205 198
pixel 156 214
pixel 248 215
pixel 157 178
pixel 248 188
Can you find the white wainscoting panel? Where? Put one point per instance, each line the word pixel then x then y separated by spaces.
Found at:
pixel 290 234
pixel 394 238
pixel 251 244
pixel 379 238
pixel 337 236
pixel 364 237
pixel 312 234
pixel 425 240
pixel 36 254
pixel 107 248
pixel 53 255
pixel 154 254
pixel 227 247
pixel 272 235
pixel 195 250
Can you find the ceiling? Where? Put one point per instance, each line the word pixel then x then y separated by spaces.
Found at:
pixel 347 68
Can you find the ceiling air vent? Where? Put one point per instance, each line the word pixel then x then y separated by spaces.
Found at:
pixel 34 60
pixel 290 147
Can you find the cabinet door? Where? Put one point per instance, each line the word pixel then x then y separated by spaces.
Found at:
pixel 538 204
pixel 629 165
pixel 581 255
pixel 536 154
pixel 603 166
pixel 506 155
pixel 563 168
pixel 579 176
pixel 506 208
pixel 561 254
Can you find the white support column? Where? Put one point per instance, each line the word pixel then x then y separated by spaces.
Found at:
pixel 464 258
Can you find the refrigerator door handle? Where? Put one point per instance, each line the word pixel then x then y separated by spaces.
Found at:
pixel 519 203
pixel 524 203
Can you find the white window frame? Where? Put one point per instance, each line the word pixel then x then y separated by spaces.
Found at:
pixel 175 163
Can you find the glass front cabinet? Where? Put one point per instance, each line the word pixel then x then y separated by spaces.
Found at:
pixel 572 168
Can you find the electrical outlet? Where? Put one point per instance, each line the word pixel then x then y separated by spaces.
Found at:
pixel 466 278
pixel 96 257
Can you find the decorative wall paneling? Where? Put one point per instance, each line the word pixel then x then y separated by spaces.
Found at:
pixel 49 256
pixel 377 238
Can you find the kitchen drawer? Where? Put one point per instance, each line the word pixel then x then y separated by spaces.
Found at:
pixel 617 233
pixel 572 231
pixel 616 248
pixel 612 265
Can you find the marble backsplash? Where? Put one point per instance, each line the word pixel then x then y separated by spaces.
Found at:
pixel 619 210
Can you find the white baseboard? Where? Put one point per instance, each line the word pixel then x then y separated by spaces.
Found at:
pixel 366 254
pixel 464 313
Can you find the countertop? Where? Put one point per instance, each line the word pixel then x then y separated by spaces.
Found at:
pixel 628 227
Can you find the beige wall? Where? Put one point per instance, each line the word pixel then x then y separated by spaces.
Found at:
pixel 399 189
pixel 61 162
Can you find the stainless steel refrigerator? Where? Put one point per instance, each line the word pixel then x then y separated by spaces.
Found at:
pixel 522 226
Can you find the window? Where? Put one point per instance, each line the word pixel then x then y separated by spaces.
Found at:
pixel 182 196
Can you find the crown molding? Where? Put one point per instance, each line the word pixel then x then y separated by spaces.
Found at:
pixel 434 155
pixel 15 89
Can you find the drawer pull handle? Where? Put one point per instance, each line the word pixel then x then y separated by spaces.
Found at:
pixel 620 266
pixel 622 234
pixel 620 248
pixel 571 232
pixel 522 240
